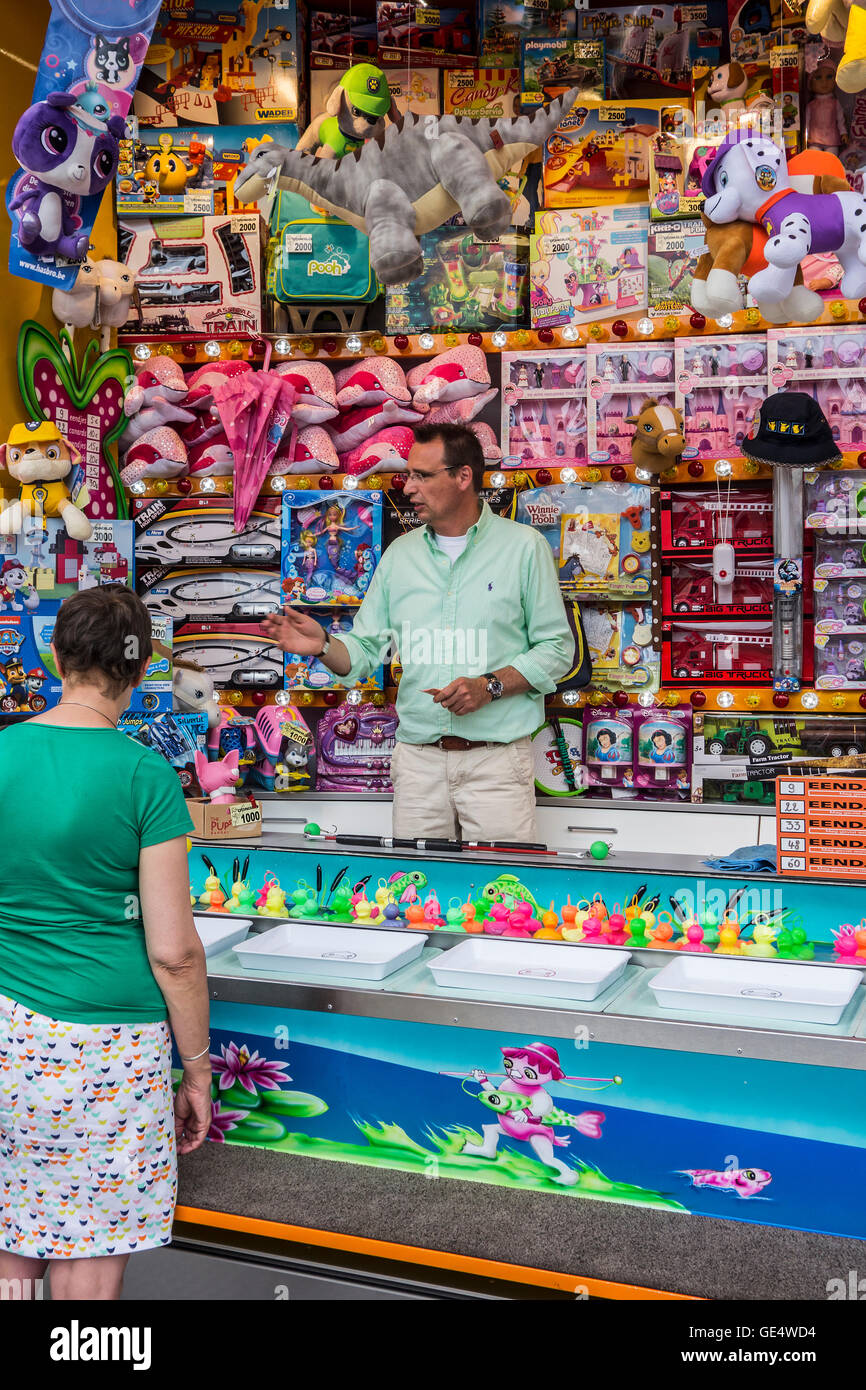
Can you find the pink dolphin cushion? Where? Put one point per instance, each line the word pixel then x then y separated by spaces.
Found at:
pixel 314 452
pixel 451 376
pixel 388 449
pixel 371 381
pixel 356 426
pixel 159 454
pixel 316 399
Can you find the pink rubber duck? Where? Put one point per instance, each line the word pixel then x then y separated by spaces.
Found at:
pixel 845 944
pixel 497 922
pixel 694 940
pixel 592 931
pixel 432 910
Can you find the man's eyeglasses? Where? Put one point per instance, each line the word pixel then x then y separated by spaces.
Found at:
pixel 413 476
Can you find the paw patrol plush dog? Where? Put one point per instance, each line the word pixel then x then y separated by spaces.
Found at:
pixel 39 458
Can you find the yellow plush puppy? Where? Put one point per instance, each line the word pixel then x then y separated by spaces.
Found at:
pixel 39 458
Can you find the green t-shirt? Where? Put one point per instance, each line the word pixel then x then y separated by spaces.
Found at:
pixel 79 805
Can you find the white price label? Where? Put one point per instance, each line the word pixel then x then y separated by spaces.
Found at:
pixel 793 843
pixel 298 243
pixel 793 827
pixel 793 862
pixel 245 226
pixel 792 808
pixel 245 815
pixel 198 200
pixel 792 788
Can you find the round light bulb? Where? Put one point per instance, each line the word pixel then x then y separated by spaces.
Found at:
pixel 142 351
pixel 354 344
pixel 726 321
pixel 570 333
pixel 497 479
pixel 724 699
pixel 278 482
pixel 138 488
pixel 646 699
pixel 570 697
pixel 282 347
pixel 282 697
pixel 212 348
pixel 499 339
pixel 568 475
pixel 723 468
pixel 208 485
pixel 646 327
pixel 354 697
pixel 809 699
pixel 349 481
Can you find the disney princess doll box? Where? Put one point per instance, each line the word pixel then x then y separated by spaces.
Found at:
pixel 331 546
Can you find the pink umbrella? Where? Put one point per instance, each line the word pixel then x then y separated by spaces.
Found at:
pixel 256 410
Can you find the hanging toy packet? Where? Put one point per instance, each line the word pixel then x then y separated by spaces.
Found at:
pixel 608 743
pixel 599 535
pixel 663 750
pixel 68 141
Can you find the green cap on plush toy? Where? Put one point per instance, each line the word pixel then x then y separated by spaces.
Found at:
pixel 367 88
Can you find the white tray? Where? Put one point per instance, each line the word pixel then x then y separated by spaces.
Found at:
pixel 219 933
pixel 716 984
pixel 539 968
pixel 349 952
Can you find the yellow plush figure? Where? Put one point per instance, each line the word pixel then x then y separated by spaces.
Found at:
pixel 840 21
pixel 39 458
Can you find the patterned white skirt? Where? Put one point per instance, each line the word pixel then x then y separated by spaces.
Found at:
pixel 87 1151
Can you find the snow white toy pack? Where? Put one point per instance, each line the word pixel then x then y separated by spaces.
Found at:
pixel 331 545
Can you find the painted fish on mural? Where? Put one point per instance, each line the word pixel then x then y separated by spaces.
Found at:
pixel 746 1182
pixel 405 886
pixel 508 886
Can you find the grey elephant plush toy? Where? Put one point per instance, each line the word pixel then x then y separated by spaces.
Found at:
pixel 410 180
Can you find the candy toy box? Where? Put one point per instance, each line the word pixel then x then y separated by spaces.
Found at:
pixel 840 662
pixel 601 153
pixel 587 264
pixel 195 274
pixel 200 530
pixel 414 34
pixel 45 562
pixel 331 546
pixel 675 174
pixel 720 653
pixel 176 737
pixel 599 534
pixel 465 283
pixel 551 67
pixel 691 587
pixel 673 252
pixel 650 49
pixel 840 605
pixel 480 92
pixel 354 744
pixel 236 656
pixel 308 673
pixel 836 502
pixel 195 594
pixel 543 406
pixel 620 380
pixel 227 62
pixel 183 171
pixel 722 385
pixel 502 26
pixel 29 682
pixel 619 640
pixel 696 518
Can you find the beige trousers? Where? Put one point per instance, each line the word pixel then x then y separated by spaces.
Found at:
pixel 478 794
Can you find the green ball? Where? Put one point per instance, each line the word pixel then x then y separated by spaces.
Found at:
pixel 599 850
pixel 312 829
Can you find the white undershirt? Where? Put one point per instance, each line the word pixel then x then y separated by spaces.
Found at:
pixel 453 546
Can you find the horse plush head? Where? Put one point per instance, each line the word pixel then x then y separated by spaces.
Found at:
pixel 658 438
pixel 747 170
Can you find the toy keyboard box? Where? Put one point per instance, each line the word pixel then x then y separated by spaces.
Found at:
pixel 501 27
pixel 599 534
pixel 649 49
pixel 601 151
pixel 29 682
pixel 176 737
pixel 237 656
pixel 417 35
pixel 464 284
pixel 673 252
pixel 195 274
pixel 200 531
pixel 480 92
pixel 331 546
pixel 354 744
pixel 184 171
pixel 314 258
pixel 225 62
pixel 156 691
pixel 197 594
pixel 40 563
pixel 587 264
pixel 696 518
pixel 309 673
pixel 551 67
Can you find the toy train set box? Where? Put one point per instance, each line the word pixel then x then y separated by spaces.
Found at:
pixel 195 274
pixel 201 530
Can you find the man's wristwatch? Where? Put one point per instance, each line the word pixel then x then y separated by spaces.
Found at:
pixel 494 686
pixel 324 650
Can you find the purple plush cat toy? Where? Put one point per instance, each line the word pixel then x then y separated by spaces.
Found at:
pixel 67 154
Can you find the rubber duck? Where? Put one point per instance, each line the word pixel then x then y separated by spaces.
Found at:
pixel 592 930
pixel 845 943
pixel 362 910
pixel 638 932
pixel 275 903
pixel 415 916
pixel 246 900
pixel 729 944
pixel 383 894
pixel 860 938
pixel 694 939
pixel 211 884
pixel 549 918
pixel 454 915
pixel 548 933
pixel 568 915
pixel 432 911
pixel 598 908
pixel 342 903
pixel 497 920
pixel 763 941
pixel 802 946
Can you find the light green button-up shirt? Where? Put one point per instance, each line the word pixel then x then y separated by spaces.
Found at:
pixel 498 605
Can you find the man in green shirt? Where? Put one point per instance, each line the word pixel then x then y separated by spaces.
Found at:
pixel 471 604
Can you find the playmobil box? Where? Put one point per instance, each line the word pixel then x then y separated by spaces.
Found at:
pixel 410 34
pixel 601 151
pixel 195 274
pixel 331 546
pixel 481 92
pixel 156 690
pixel 44 562
pixel 175 173
pixel 413 89
pixel 649 49
pixel 225 62
pixel 176 737
pixel 501 26
pixel 237 656
pixel 551 67
pixel 588 264
pixel 464 284
pixel 29 682
pixel 673 252
pixel 201 531
pixel 308 673
pixel 193 594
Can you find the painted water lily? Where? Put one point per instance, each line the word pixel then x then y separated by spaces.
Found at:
pixel 237 1065
pixel 221 1121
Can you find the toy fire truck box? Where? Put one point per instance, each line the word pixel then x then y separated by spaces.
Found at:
pixel 184 171
pixel 464 284
pixel 235 820
pixel 413 89
pixel 29 682
pixel 411 34
pixel 723 384
pixel 477 92
pixel 156 691
pixel 621 379
pixel 551 67
pixel 673 252
pixel 194 594
pixel 696 519
pixel 237 656
pixel 717 653
pixel 763 93
pixel 309 673
pixel 339 40
pixel 176 737
pixel 200 531
pixel 543 407
pixel 225 62
pixel 587 264
pixel 599 534
pixel 44 562
pixel 502 26
pixel 195 274
pixel 692 587
pixel 601 151
pixel 354 744
pixel 650 49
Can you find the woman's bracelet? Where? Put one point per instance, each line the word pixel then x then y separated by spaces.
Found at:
pixel 198 1054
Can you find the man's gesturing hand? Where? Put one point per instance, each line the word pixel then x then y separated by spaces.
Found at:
pixel 293 630
pixel 463 696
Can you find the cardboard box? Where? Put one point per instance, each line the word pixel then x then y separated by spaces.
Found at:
pixel 501 27
pixel 601 152
pixel 649 49
pixel 490 92
pixel 195 274
pixel 188 171
pixel 235 820
pixel 465 284
pixel 415 35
